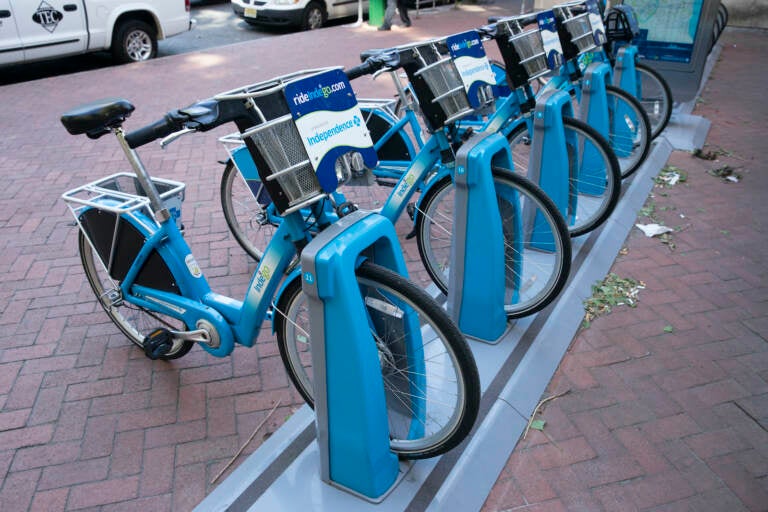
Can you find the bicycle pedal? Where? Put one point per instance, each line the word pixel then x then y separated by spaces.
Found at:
pixel 158 343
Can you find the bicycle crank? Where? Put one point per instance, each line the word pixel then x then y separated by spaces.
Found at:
pixel 162 341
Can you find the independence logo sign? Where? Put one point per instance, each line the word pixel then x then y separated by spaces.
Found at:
pixel 468 55
pixel 550 39
pixel 329 122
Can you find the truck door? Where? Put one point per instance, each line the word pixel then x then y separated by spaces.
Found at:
pixel 10 42
pixel 51 27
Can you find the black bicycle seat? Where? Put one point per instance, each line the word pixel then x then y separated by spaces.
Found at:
pixel 97 117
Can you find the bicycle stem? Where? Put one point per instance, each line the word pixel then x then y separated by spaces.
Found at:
pixel 400 89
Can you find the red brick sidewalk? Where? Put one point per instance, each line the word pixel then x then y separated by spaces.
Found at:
pixel 658 420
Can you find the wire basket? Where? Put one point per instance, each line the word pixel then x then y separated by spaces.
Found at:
pixel 275 145
pixel 621 24
pixel 577 25
pixel 444 81
pixel 522 49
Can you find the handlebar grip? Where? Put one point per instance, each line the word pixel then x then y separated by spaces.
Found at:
pixel 366 68
pixel 166 126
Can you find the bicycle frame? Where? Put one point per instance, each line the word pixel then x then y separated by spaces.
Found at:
pixel 234 321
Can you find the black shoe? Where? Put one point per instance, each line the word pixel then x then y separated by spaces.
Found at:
pixel 384 28
pixel 407 24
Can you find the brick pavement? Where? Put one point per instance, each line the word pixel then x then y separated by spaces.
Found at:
pixel 86 421
pixel 658 420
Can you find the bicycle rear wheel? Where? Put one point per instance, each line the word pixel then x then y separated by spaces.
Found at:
pixel 449 385
pixel 594 183
pixel 133 321
pixel 537 249
pixel 655 97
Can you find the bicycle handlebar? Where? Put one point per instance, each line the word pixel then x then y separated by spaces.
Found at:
pixel 159 129
pixel 201 116
pixel 373 61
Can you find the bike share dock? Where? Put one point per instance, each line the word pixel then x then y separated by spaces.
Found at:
pixel 284 473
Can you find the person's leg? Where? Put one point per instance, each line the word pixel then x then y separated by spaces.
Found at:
pixel 402 7
pixel 389 13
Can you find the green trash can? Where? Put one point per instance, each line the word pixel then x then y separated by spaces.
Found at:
pixel 376 10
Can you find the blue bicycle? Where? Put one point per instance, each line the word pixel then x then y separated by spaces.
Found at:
pixel 147 280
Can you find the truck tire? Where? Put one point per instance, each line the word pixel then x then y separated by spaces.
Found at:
pixel 134 41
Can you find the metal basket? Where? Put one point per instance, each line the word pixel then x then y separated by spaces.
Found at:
pixel 522 48
pixel 287 162
pixel 276 146
pixel 621 24
pixel 578 26
pixel 443 80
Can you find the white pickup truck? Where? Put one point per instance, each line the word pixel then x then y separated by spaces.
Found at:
pixel 32 30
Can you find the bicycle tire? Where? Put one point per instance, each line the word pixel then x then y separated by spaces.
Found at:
pixel 245 216
pixel 655 97
pixel 629 130
pixel 535 272
pixel 448 346
pixel 133 321
pixel 591 209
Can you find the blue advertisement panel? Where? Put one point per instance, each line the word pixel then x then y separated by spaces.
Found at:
pixel 468 55
pixel 667 29
pixel 329 122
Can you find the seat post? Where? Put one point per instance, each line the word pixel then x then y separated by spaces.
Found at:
pixel 159 210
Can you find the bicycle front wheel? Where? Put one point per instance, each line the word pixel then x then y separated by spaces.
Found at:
pixel 246 217
pixel 133 321
pixel 537 249
pixel 440 389
pixel 655 97
pixel 594 175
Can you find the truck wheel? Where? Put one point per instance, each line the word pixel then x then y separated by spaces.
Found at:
pixel 134 41
pixel 314 16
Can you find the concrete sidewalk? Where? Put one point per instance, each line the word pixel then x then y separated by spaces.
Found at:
pixel 88 423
